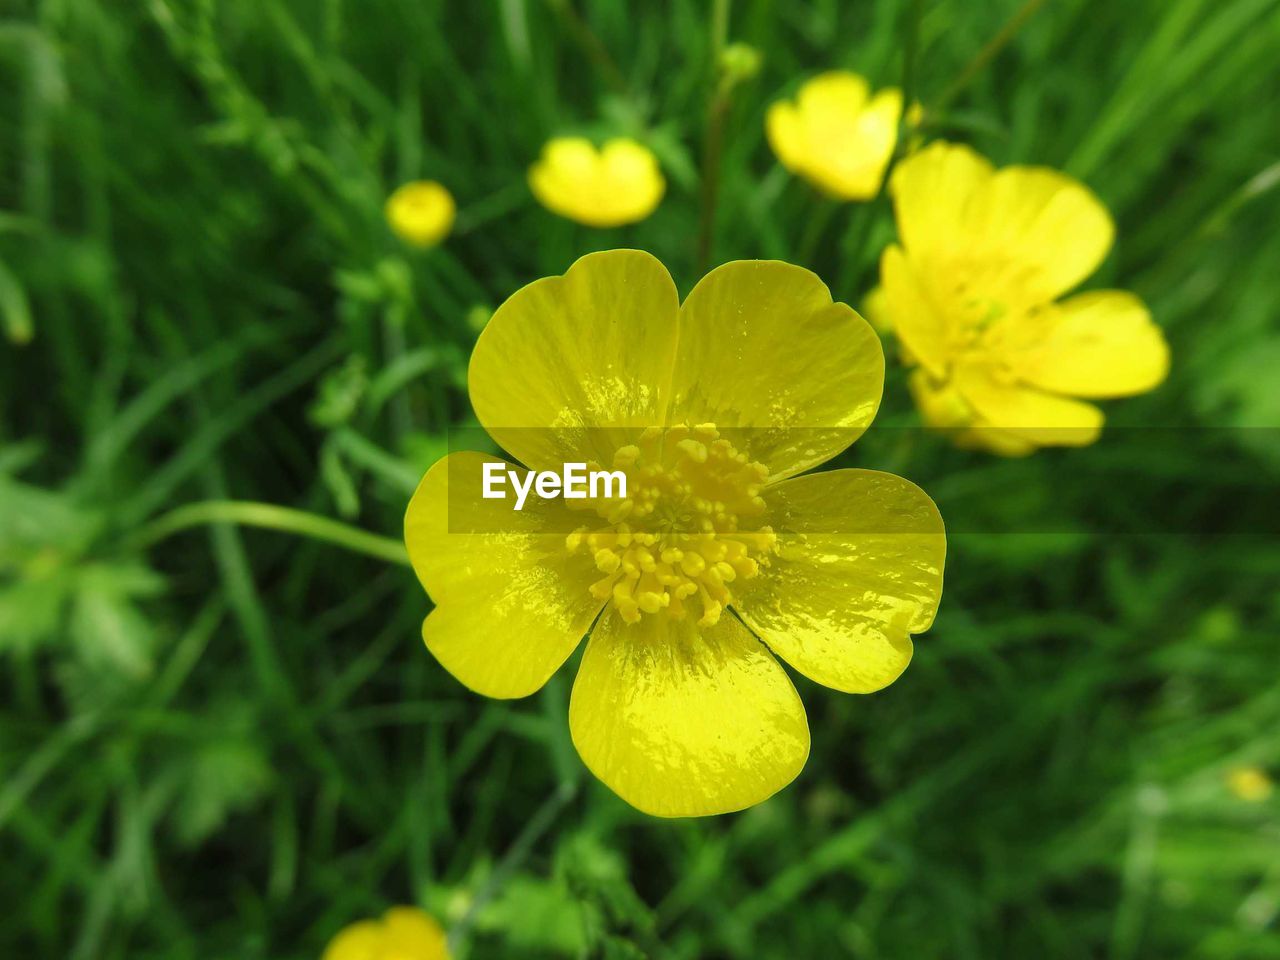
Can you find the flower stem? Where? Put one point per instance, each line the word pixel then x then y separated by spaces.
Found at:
pixel 984 56
pixel 268 516
pixel 821 210
pixel 713 139
pixel 538 824
pixel 591 45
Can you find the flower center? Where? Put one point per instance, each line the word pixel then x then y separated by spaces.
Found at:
pixel 685 531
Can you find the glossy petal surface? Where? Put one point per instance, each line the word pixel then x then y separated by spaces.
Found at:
pixel 511 602
pixel 681 721
pixel 567 355
pixel 858 570
pixel 763 347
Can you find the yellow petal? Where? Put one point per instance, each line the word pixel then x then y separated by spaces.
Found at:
pixel 858 570
pixel 421 212
pixel 360 941
pixel 1031 415
pixel 932 190
pixel 567 355
pixel 1050 224
pixel 511 601
pixel 787 136
pixel 1022 235
pixel 682 721
pixel 832 98
pixel 836 135
pixel 941 406
pixel 618 184
pixel 411 934
pixel 632 174
pixel 1098 344
pixel 762 346
pixel 1002 443
pixel 912 314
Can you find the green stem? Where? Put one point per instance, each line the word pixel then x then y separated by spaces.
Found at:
pixel 820 212
pixel 268 516
pixel 541 821
pixel 713 141
pixel 592 46
pixel 987 53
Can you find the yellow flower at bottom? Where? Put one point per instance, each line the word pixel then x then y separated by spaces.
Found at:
pixel 616 185
pixel 1250 784
pixel 421 213
pixel 836 134
pixel 721 560
pixel 972 294
pixel 403 933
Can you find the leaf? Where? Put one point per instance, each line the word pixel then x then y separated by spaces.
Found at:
pixel 106 626
pixel 223 778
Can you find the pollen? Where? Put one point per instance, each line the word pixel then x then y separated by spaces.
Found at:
pixel 687 531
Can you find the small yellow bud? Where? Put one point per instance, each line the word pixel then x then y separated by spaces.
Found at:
pixel 421 213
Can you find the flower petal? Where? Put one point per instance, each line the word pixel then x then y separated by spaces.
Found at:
pixel 931 191
pixel 910 312
pixel 633 177
pixel 1051 225
pixel 563 355
pixel 1020 234
pixel 682 721
pixel 511 601
pixel 859 569
pixel 1031 415
pixel 360 941
pixel 762 346
pixel 787 136
pixel 1098 344
pixel 409 932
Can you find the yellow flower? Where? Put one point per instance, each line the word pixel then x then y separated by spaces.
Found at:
pixel 837 135
pixel 1250 784
pixel 403 933
pixel 618 184
pixel 973 295
pixel 721 557
pixel 421 213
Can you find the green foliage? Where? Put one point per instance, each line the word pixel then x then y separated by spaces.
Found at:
pixel 228 742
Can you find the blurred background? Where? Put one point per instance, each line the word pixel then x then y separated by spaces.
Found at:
pixel 220 741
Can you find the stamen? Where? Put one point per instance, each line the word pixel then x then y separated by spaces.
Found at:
pixel 685 529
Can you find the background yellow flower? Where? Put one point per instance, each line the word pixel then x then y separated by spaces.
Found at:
pixel 619 183
pixel 832 572
pixel 402 933
pixel 421 212
pixel 972 293
pixel 836 134
pixel 1250 784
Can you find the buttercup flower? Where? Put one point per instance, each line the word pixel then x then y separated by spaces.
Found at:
pixel 973 295
pixel 618 184
pixel 421 213
pixel 403 933
pixel 1250 784
pixel 721 557
pixel 837 135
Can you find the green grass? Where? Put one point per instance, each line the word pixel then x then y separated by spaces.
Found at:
pixel 228 742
